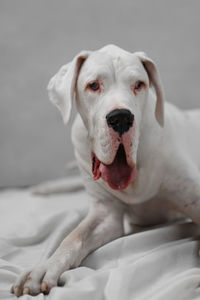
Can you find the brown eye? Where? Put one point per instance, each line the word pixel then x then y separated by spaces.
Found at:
pixel 139 85
pixel 94 86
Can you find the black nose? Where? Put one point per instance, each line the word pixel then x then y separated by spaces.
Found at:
pixel 120 120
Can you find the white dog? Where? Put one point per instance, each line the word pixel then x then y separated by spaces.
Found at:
pixel 135 159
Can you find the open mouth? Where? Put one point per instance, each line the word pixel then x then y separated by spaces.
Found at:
pixel 118 174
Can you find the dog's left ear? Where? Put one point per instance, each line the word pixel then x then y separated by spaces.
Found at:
pixel 155 80
pixel 62 86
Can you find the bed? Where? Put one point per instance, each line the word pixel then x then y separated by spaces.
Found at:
pixel 160 263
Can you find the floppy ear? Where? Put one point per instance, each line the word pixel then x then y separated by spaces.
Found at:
pixel 61 87
pixel 155 80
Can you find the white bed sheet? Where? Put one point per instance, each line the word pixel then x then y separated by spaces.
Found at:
pixel 157 264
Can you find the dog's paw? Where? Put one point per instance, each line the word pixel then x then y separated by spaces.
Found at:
pixel 39 280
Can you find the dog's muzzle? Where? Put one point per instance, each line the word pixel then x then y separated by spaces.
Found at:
pixel 120 120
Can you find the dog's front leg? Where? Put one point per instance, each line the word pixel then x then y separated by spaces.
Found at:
pixel 181 187
pixel 103 223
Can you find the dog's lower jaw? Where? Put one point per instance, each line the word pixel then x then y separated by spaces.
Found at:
pixel 118 181
pixel 119 174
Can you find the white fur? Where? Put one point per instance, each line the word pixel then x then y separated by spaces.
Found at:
pixel 165 149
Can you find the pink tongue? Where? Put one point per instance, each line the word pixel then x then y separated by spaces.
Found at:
pixel 119 174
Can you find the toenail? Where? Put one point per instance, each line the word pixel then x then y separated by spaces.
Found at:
pixel 44 287
pixel 26 291
pixel 17 291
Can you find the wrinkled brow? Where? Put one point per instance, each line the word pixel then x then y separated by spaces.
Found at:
pixel 100 72
pixel 133 73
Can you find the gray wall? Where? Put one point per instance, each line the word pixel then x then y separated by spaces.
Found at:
pixel 37 37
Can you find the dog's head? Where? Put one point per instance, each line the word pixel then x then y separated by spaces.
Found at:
pixel 111 87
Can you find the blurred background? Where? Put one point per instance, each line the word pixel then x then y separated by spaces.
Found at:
pixel 37 37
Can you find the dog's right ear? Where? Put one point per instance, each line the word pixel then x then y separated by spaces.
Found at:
pixel 155 80
pixel 62 86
